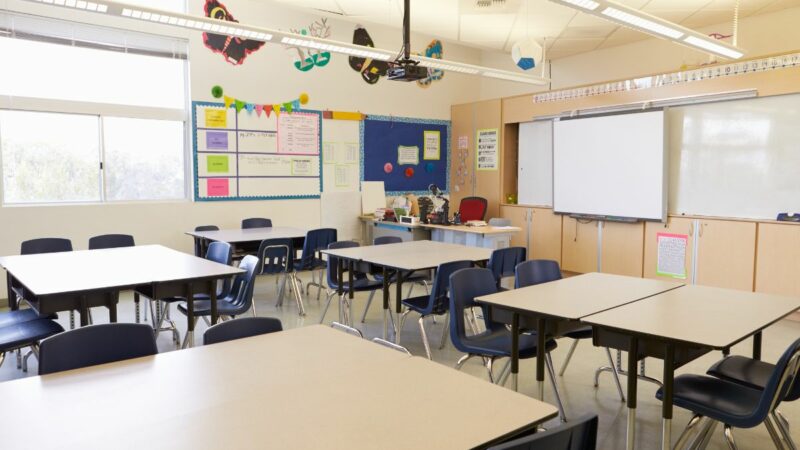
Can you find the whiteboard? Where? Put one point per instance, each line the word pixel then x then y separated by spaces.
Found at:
pixel 611 166
pixel 535 164
pixel 736 159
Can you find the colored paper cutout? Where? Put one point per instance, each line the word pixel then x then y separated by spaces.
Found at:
pixel 216 118
pixel 217 140
pixel 218 187
pixel 217 163
pixel 388 167
pixel 233 49
pixel 407 155
pixel 409 172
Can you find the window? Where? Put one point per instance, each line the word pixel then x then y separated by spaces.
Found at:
pixel 89 114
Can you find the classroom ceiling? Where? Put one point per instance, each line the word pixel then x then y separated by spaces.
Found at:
pixel 567 31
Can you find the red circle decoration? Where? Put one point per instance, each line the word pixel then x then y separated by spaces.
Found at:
pixel 388 167
pixel 409 172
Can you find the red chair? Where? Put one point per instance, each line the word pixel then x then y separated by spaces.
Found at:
pixel 472 208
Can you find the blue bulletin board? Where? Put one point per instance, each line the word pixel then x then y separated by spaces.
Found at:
pixel 391 140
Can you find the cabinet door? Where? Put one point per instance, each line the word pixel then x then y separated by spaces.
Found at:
pixel 778 259
pixel 726 252
pixel 519 218
pixel 674 225
pixel 622 248
pixel 579 245
pixel 545 235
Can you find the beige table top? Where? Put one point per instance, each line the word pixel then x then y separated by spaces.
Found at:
pixel 707 316
pixel 578 296
pixel 412 255
pixel 249 234
pixel 475 230
pixel 88 270
pixel 311 387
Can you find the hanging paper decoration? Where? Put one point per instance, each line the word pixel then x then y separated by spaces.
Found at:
pixel 277 109
pixel 216 91
pixel 295 104
pixel 371 70
pixel 259 108
pixel 268 110
pixel 433 50
pixel 303 98
pixel 289 107
pixel 249 107
pixel 238 104
pixel 234 49
pixel 307 59
pixel 228 101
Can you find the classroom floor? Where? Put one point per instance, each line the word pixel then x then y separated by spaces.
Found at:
pixel 577 392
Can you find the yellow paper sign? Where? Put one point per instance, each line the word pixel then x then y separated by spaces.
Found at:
pixel 216 118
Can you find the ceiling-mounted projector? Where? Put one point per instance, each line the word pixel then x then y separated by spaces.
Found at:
pixel 404 68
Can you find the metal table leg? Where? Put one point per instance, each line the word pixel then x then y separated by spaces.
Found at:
pixel 515 351
pixel 385 303
pixel 111 304
pixel 189 340
pixel 84 311
pixel 213 297
pixel 136 301
pixel 633 351
pixel 666 401
pixel 340 286
pixel 350 291
pixel 757 346
pixel 540 355
pixel 398 304
pixel 12 297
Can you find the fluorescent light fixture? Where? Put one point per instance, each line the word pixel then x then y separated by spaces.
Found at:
pixel 655 26
pixel 237 29
pixel 663 103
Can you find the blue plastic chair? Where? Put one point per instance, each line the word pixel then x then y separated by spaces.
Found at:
pixel 237 302
pixel 360 284
pixel 111 241
pixel 578 434
pixel 24 328
pixel 256 222
pixel 736 405
pixel 95 344
pixel 311 259
pixel 35 247
pixel 537 271
pixel 201 244
pixel 435 304
pixel 276 257
pixel 415 278
pixel 495 341
pixel 503 261
pixel 241 328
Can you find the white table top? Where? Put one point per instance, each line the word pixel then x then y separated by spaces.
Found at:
pixel 474 230
pixel 578 296
pixel 249 234
pixel 87 270
pixel 412 255
pixel 707 316
pixel 311 387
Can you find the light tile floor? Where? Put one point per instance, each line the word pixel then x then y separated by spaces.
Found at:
pixel 576 386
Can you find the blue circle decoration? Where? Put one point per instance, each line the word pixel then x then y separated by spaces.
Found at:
pixel 429 167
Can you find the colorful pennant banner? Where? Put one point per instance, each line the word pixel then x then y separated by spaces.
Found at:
pixel 277 108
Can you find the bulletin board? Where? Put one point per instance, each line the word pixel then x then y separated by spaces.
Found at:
pixel 246 156
pixel 406 154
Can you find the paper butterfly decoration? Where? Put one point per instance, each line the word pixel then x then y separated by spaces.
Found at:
pixel 234 49
pixel 307 59
pixel 371 70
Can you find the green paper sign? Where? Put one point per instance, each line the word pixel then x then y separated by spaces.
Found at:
pixel 217 163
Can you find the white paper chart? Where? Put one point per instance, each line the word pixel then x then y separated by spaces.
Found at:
pixel 246 156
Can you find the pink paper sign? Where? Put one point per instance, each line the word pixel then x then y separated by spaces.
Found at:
pixel 218 187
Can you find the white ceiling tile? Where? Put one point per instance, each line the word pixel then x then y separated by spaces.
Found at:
pixel 325 5
pixel 486 27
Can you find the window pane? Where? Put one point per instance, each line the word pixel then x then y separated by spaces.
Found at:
pixel 49 157
pixel 90 75
pixel 144 159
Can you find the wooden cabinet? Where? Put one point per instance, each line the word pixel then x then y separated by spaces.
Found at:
pixel 518 215
pixel 545 235
pixel 778 259
pixel 726 253
pixel 674 225
pixel 622 248
pixel 579 245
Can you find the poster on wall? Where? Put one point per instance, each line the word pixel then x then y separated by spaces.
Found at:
pixel 671 260
pixel 433 145
pixel 234 49
pixel 486 151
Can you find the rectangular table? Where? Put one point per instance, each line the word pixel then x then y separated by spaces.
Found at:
pixel 79 280
pixel 401 260
pixel 488 236
pixel 311 387
pixel 680 325
pixel 559 306
pixel 241 236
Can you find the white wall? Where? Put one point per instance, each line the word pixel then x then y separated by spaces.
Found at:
pixel 267 76
pixel 758 35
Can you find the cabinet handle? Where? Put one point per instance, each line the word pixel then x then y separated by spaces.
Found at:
pixel 691 229
pixel 702 227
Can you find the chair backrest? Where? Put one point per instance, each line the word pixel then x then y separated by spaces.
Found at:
pixel 349 330
pixel 111 241
pixel 241 293
pixel 472 208
pixel 383 240
pixel 198 243
pixel 45 245
pixel 316 240
pixel 221 252
pixel 780 383
pixel 465 285
pixel 275 256
pixel 499 222
pixel 441 284
pixel 95 344
pixel 391 345
pixel 241 328
pixel 333 262
pixel 579 434
pixel 256 222
pixel 503 261
pixel 536 271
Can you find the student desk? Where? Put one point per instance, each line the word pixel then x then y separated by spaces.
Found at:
pixel 488 237
pixel 310 387
pixel 559 306
pixel 680 325
pixel 248 235
pixel 401 260
pixel 79 280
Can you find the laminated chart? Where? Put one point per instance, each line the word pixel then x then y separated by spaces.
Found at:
pixel 250 156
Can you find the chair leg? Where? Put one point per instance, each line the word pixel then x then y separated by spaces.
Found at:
pixel 445 330
pixel 687 432
pixel 705 436
pixel 298 298
pixel 366 308
pixel 489 364
pixel 327 305
pixel 568 358
pixel 2 358
pixel 424 337
pixel 549 364
pixel 504 373
pixel 462 360
pixel 773 432
pixel 616 375
pixel 282 290
pixel 783 427
pixel 728 432
pixel 400 325
pixel 188 338
pixel 410 290
pixel 25 360
pixel 781 418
